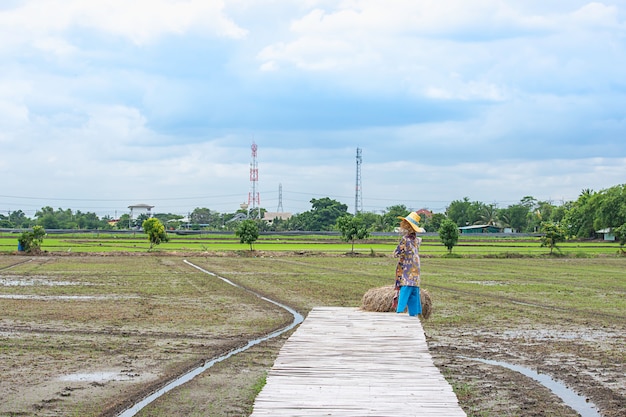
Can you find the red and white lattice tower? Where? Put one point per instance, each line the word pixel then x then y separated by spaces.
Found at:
pixel 254 200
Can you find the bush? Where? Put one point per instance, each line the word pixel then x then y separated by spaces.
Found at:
pixel 155 231
pixel 449 234
pixel 31 241
pixel 552 234
pixel 248 232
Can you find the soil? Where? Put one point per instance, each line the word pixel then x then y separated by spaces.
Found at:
pixel 587 358
pixel 493 390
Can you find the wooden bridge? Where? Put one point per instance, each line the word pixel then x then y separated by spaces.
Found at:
pixel 346 362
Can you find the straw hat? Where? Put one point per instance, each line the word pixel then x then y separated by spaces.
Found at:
pixel 413 219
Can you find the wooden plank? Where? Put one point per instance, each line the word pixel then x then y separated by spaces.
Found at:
pixel 347 362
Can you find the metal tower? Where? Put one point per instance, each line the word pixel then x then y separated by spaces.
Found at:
pixel 280 198
pixel 358 197
pixel 254 200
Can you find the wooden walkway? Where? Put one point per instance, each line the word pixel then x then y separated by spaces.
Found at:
pixel 346 362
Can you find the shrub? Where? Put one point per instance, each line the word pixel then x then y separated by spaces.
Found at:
pixel 31 241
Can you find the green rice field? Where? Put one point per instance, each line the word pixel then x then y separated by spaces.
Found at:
pixel 431 246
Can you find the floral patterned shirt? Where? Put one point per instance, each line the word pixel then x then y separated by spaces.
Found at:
pixel 408 269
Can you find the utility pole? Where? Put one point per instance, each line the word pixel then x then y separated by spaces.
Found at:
pixel 254 200
pixel 280 198
pixel 358 197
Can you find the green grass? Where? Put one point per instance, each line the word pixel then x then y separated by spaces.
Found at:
pixel 468 245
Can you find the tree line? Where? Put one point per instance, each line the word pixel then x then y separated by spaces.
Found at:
pixel 592 211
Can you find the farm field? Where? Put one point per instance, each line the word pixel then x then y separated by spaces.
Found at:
pixel 202 243
pixel 87 334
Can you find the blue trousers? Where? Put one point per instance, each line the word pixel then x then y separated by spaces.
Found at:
pixel 409 296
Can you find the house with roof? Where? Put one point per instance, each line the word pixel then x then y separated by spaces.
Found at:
pixel 270 216
pixel 479 228
pixel 606 234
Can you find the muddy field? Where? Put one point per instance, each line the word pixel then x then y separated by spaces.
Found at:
pixel 89 335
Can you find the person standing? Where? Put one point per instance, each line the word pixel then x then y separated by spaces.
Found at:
pixel 408 269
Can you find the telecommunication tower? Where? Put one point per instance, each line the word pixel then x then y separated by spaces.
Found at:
pixel 254 200
pixel 280 198
pixel 358 197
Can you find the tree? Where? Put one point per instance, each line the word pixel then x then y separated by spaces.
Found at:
pixel 352 228
pixel 248 232
pixel 610 207
pixel 463 212
pixel 18 219
pixel 449 234
pixel 620 235
pixel 155 231
pixel 559 212
pixel 30 241
pixel 124 221
pixel 323 216
pixel 325 213
pixel 433 223
pixel 514 216
pixel 47 218
pixel 552 234
pixel 578 221
pixel 207 216
pixel 457 212
pixel 371 221
pixel 390 218
pixel 488 215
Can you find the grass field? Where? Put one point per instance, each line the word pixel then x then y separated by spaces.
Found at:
pixel 148 316
pixel 467 245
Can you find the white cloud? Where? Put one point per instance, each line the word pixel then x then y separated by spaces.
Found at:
pixel 55 45
pixel 141 21
pixel 12 115
pixel 596 15
pixel 453 50
pixel 493 99
pixel 472 90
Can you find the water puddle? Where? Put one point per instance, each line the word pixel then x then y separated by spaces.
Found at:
pixel 297 319
pixel 488 283
pixel 577 402
pixel 17 281
pixel 63 297
pixel 97 377
pixel 550 334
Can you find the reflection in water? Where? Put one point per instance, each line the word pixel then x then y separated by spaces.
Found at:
pixel 297 319
pixel 569 397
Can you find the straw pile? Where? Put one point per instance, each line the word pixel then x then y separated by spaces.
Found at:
pixel 381 299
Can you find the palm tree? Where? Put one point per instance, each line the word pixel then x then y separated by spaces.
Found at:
pixel 488 215
pixel 504 220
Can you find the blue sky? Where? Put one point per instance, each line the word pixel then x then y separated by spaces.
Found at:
pixel 109 103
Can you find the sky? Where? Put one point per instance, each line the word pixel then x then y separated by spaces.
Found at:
pixel 109 103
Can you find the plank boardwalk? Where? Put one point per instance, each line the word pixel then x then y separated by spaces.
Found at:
pixel 346 362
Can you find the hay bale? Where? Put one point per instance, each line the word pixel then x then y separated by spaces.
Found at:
pixel 378 299
pixel 427 303
pixel 381 299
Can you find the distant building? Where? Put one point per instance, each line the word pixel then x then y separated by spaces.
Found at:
pixel 606 234
pixel 424 213
pixel 141 208
pixel 238 217
pixel 270 216
pixel 479 228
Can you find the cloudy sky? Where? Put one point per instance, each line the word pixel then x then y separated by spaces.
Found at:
pixel 109 103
